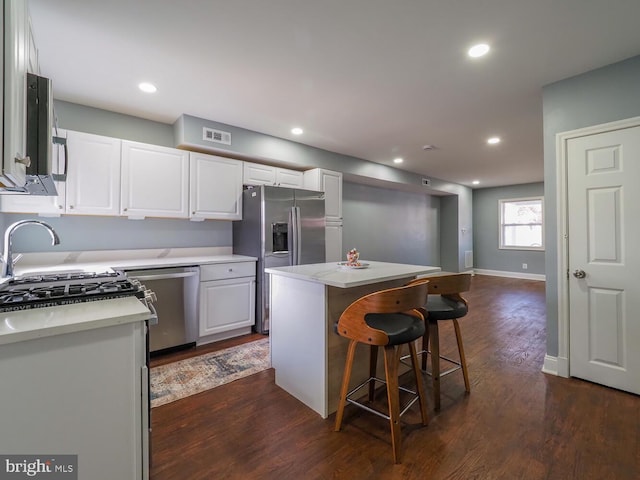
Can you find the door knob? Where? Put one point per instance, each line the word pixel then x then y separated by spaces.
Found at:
pixel 579 273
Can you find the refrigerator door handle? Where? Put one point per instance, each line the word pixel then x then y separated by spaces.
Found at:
pixel 296 236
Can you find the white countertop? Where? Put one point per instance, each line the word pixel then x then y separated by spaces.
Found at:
pixel 101 260
pixel 336 276
pixel 46 322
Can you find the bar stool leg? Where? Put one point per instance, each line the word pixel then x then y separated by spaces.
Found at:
pixel 419 383
pixel 346 377
pixel 373 366
pixel 463 361
pixel 425 346
pixel 393 397
pixel 435 362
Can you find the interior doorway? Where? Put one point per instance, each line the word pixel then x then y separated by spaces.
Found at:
pixel 599 324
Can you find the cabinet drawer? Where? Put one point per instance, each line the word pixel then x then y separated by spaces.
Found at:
pixel 221 271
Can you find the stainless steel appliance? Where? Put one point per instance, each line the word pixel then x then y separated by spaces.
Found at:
pixel 65 288
pixel 281 227
pixel 176 289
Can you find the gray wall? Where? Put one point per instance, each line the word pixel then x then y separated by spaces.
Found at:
pixel 486 221
pixel 409 220
pixel 391 225
pixel 114 233
pixel 600 96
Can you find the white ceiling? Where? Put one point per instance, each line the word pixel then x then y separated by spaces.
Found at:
pixel 374 79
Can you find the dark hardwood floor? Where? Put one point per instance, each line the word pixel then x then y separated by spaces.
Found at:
pixel 517 422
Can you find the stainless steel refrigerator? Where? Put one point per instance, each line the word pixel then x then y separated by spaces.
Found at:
pixel 281 227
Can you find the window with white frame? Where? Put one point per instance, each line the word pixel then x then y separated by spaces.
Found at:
pixel 521 223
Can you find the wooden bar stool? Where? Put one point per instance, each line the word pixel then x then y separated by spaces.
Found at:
pixel 388 318
pixel 444 302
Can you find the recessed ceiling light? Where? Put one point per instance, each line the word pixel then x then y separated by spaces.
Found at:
pixel 479 50
pixel 147 87
pixel 297 131
pixel 493 140
pixel 476 182
pixel 398 160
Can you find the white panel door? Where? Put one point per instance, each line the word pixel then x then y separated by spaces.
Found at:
pixel 604 227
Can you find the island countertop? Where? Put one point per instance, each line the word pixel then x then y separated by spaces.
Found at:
pixel 336 276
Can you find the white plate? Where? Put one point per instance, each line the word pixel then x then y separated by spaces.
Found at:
pixel 353 267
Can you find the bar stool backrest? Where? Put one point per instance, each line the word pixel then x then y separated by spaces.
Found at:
pixel 407 299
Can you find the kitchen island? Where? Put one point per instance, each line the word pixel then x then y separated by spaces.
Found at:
pixel 306 301
pixel 75 382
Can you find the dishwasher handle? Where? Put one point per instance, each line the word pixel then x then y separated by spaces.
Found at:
pixel 162 276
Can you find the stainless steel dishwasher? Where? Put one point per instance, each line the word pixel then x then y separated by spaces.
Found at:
pixel 176 289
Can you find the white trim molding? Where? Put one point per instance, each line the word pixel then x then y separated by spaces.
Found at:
pixel 500 273
pixel 562 234
pixel 556 366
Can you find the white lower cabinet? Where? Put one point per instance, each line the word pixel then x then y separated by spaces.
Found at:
pixel 227 300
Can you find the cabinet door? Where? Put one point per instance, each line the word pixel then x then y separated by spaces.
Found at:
pixel 93 175
pixel 215 187
pixel 155 181
pixel 333 242
pixel 289 178
pixel 330 183
pixel 257 174
pixel 226 305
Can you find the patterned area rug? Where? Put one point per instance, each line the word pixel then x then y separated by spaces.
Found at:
pixel 180 379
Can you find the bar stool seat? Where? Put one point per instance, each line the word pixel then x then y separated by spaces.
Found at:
pixel 388 318
pixel 444 302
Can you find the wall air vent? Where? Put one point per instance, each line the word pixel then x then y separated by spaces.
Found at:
pixel 216 136
pixel 426 182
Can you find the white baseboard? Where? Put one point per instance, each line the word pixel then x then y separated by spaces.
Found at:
pixel 500 273
pixel 558 366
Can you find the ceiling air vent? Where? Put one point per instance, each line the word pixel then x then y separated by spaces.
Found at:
pixel 426 182
pixel 216 136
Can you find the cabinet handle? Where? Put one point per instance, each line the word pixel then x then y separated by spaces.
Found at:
pixel 230 270
pixel 125 209
pixel 70 207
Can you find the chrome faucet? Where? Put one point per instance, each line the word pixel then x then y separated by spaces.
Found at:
pixel 7 254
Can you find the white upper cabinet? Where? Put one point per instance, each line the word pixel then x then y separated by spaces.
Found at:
pixel 155 181
pixel 258 174
pixel 330 183
pixel 289 178
pixel 93 174
pixel 215 187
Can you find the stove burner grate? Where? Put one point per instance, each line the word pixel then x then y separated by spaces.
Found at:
pixel 50 290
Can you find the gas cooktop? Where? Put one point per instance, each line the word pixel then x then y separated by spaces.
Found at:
pixel 51 289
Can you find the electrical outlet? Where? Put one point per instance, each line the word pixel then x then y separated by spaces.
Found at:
pixel 524 266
